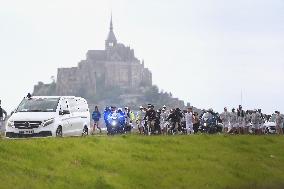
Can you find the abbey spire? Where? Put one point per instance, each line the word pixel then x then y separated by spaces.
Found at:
pixel 111 25
pixel 111 39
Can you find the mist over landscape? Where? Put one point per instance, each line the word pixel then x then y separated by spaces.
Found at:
pixel 206 53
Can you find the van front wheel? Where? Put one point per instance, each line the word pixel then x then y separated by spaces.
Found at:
pixel 59 132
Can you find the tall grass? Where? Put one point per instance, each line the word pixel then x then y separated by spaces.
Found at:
pixel 143 162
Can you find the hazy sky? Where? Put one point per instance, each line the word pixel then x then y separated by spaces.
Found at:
pixel 203 51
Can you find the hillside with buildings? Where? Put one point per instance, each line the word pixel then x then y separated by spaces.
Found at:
pixel 113 76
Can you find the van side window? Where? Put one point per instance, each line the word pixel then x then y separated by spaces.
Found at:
pixel 84 106
pixel 80 104
pixel 64 105
pixel 73 105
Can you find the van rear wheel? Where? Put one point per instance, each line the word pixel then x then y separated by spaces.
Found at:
pixel 59 132
pixel 85 131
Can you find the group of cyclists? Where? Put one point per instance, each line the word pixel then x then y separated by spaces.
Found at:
pixel 149 121
pixel 164 121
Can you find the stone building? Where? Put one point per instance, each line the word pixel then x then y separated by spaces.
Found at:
pixel 116 65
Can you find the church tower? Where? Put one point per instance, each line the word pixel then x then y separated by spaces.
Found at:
pixel 111 39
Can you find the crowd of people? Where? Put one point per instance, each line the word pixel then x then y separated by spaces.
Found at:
pixel 244 122
pixel 149 120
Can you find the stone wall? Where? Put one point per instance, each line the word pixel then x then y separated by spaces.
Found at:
pixel 42 89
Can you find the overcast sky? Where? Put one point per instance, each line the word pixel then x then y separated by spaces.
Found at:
pixel 205 52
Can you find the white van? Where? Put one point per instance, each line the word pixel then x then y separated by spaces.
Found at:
pixel 44 116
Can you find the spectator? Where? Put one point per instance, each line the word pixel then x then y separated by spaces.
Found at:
pixel 225 118
pixel 279 122
pixel 3 114
pixel 189 121
pixel 196 122
pixel 96 117
pixel 233 121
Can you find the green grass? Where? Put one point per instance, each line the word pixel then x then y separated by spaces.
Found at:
pixel 200 161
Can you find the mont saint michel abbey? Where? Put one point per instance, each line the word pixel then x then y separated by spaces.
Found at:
pixel 114 67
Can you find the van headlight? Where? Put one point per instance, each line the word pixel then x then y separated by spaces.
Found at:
pixel 48 122
pixel 10 123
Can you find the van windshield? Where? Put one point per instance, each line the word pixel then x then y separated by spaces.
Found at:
pixel 38 105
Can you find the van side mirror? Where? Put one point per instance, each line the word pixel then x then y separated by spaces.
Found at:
pixel 64 112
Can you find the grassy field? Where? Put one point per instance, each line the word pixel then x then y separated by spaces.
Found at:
pixel 201 161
